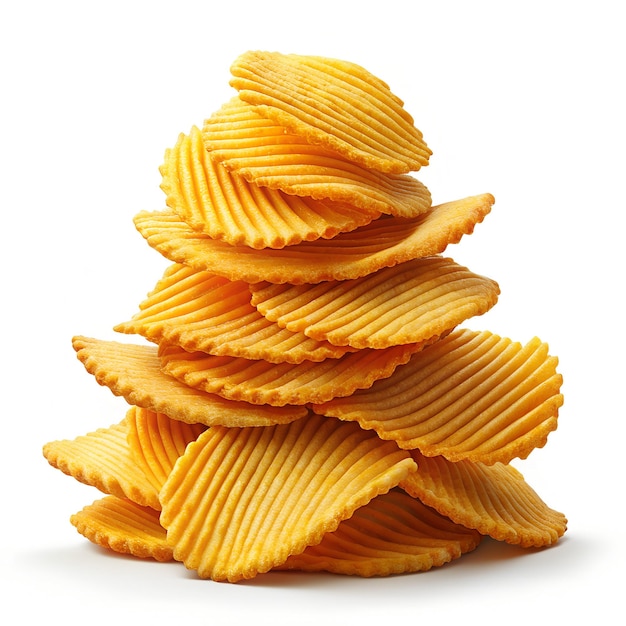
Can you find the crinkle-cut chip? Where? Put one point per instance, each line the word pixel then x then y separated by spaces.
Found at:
pixel 393 534
pixel 473 395
pixel 226 207
pixel 134 372
pixel 199 311
pixel 241 501
pixel 406 303
pixel 493 499
pixel 382 243
pixel 267 155
pixel 156 441
pixel 103 459
pixel 333 103
pixel 124 527
pixel 260 382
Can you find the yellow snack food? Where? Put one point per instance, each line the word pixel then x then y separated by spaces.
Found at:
pixel 408 303
pixel 156 441
pixel 382 243
pixel 493 499
pixel 267 155
pixel 228 208
pixel 241 501
pixel 103 459
pixel 333 103
pixel 134 372
pixel 393 534
pixel 201 312
pixel 472 395
pixel 263 383
pixel 125 527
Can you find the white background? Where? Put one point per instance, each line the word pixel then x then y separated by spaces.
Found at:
pixel 523 100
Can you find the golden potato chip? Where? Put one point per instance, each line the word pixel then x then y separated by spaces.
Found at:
pixel 199 311
pixel 102 459
pixel 334 103
pixel 241 501
pixel 472 395
pixel 382 243
pixel 493 499
pixel 228 208
pixel 134 372
pixel 156 441
pixel 408 303
pixel 280 384
pixel 267 155
pixel 124 527
pixel 393 534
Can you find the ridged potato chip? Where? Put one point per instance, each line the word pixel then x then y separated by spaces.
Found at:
pixel 201 312
pixel 267 155
pixel 156 441
pixel 103 459
pixel 134 372
pixel 393 534
pixel 280 384
pixel 241 501
pixel 382 243
pixel 124 527
pixel 333 103
pixel 228 208
pixel 472 395
pixel 408 303
pixel 493 499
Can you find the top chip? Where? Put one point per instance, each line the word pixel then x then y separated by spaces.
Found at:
pixel 335 104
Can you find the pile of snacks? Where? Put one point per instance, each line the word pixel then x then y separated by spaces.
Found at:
pixel 307 398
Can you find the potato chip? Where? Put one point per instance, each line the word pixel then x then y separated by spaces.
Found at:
pixel 199 311
pixel 241 501
pixel 267 155
pixel 133 372
pixel 472 395
pixel 493 499
pixel 334 103
pixel 124 527
pixel 407 303
pixel 102 459
pixel 156 441
pixel 260 382
pixel 382 243
pixel 226 207
pixel 393 534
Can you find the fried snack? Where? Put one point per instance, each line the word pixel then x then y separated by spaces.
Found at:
pixel 124 527
pixel 472 395
pixel 393 534
pixel 261 383
pixel 102 459
pixel 493 499
pixel 382 243
pixel 227 208
pixel 265 154
pixel 334 103
pixel 133 372
pixel 201 312
pixel 241 501
pixel 408 303
pixel 156 441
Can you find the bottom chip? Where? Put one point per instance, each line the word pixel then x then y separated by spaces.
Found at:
pixel 124 527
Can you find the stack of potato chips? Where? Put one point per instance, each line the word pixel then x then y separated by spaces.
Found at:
pixel 307 398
